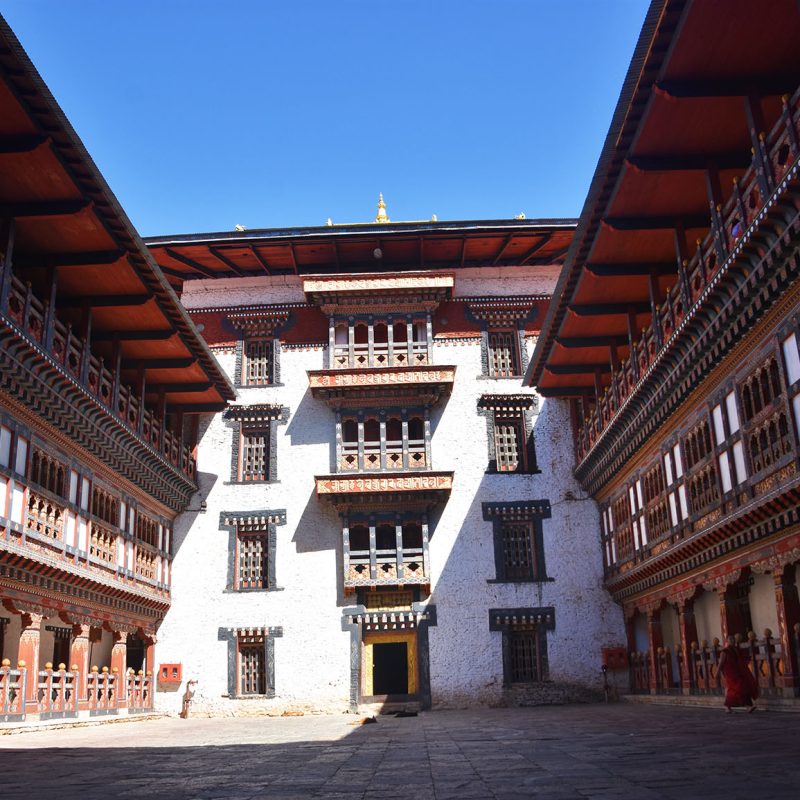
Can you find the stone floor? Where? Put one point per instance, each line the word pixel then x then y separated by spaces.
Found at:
pixel 598 751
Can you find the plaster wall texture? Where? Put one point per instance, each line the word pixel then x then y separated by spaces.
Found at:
pixel 706 615
pixel 465 657
pixel 312 658
pixel 763 611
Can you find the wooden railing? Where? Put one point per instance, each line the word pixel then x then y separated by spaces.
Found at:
pixel 370 459
pixel 764 658
pixel 30 316
pixel 57 694
pixel 140 691
pixel 406 565
pixel 401 354
pixel 777 153
pixel 12 692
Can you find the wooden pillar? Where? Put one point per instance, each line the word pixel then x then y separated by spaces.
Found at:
pixel 331 343
pixel 688 631
pixel 788 607
pixel 7 245
pixel 150 655
pixel 373 546
pixel 398 544
pixel 370 342
pixel 714 190
pixel 410 340
pixel 655 638
pixel 79 658
pixel 732 620
pixel 141 385
pixel 30 627
pixel 351 342
pixel 404 428
pixel 87 340
pixel 50 314
pixel 360 443
pixel 390 342
pixel 682 257
pixel 382 435
pixel 119 665
pixel 756 128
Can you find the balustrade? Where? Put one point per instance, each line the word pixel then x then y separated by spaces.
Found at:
pixel 44 517
pixel 12 692
pixel 782 147
pixel 640 672
pixel 102 690
pixel 30 316
pixel 57 691
pixel 139 695
pixel 414 457
pixel 390 565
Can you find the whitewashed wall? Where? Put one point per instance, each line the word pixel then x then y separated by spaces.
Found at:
pixel 312 658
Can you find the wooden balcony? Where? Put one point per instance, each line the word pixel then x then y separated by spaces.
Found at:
pixel 391 456
pixel 421 490
pixel 720 275
pixel 32 320
pixel 390 567
pixel 43 538
pixel 380 354
pixel 418 385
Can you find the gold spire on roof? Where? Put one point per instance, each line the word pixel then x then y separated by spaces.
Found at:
pixel 382 215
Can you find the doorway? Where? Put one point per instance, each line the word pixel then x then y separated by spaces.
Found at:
pixel 390 664
pixel 390 668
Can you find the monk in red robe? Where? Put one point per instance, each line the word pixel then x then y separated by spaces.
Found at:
pixel 741 686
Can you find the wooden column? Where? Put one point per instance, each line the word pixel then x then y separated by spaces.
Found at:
pixel 398 544
pixel 119 665
pixel 655 638
pixel 732 621
pixel 351 342
pixel 7 244
pixel 390 342
pixel 50 313
pixel 655 301
pixel 788 607
pixel 688 631
pixel 79 658
pixel 30 627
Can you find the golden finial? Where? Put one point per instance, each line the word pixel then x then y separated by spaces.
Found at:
pixel 434 218
pixel 329 223
pixel 382 215
pixel 239 228
pixel 521 215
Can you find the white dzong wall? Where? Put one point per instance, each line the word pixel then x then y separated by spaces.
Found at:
pixel 312 654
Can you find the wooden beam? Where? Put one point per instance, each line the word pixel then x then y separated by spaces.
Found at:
pixel 157 363
pixel 45 208
pixel 335 246
pixel 261 260
pixel 566 391
pixel 174 388
pixel 624 270
pixel 577 369
pixel 577 342
pixel 421 243
pixel 91 258
pixel 463 250
pixel 105 300
pixel 134 336
pixel 656 223
pixel 191 263
pixel 740 86
pixel 689 161
pixel 225 261
pixel 196 408
pixel 14 145
pixel 532 251
pixel 603 309
pixel 503 247
pixel 294 258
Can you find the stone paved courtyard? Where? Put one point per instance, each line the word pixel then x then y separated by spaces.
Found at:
pixel 635 751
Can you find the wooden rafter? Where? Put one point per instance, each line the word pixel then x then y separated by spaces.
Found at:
pixel 503 247
pixel 579 342
pixel 689 161
pixel 261 260
pixel 105 300
pixel 532 251
pixel 623 270
pixel 225 261
pixel 191 263
pixel 601 309
pixel 91 258
pixel 743 86
pixel 45 208
pixel 657 222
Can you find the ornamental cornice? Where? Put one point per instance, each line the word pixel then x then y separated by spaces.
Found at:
pixel 262 412
pixel 252 519
pixel 508 402
pixel 385 482
pixel 379 376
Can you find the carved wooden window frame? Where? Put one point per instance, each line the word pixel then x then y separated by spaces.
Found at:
pixel 526 516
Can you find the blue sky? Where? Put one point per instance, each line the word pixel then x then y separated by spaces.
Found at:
pixel 202 115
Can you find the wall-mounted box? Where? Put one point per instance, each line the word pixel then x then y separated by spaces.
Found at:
pixel 615 657
pixel 170 673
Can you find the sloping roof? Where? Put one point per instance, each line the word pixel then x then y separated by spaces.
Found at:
pixel 68 220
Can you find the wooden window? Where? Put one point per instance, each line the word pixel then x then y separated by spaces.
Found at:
pixel 503 355
pixel 519 553
pixel 48 472
pixel 103 545
pixel 697 444
pixel 761 388
pixel 525 657
pixel 510 445
pixel 252 559
pixel 105 506
pixel 146 530
pixel 252 667
pixel 254 461
pixel 258 361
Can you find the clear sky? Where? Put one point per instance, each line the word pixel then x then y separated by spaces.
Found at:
pixel 202 114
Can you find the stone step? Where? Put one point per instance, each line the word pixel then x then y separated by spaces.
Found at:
pixel 788 704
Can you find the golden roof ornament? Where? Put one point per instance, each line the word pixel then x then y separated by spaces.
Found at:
pixel 382 215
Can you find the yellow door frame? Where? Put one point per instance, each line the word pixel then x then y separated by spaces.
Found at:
pixel 390 637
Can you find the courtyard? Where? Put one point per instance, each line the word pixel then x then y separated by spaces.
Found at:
pixel 591 751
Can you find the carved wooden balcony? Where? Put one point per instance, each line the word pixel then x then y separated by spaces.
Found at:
pixel 763 191
pixel 395 567
pixel 43 537
pixel 27 316
pixel 421 386
pixel 388 490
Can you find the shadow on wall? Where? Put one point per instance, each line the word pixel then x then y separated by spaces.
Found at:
pixel 311 424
